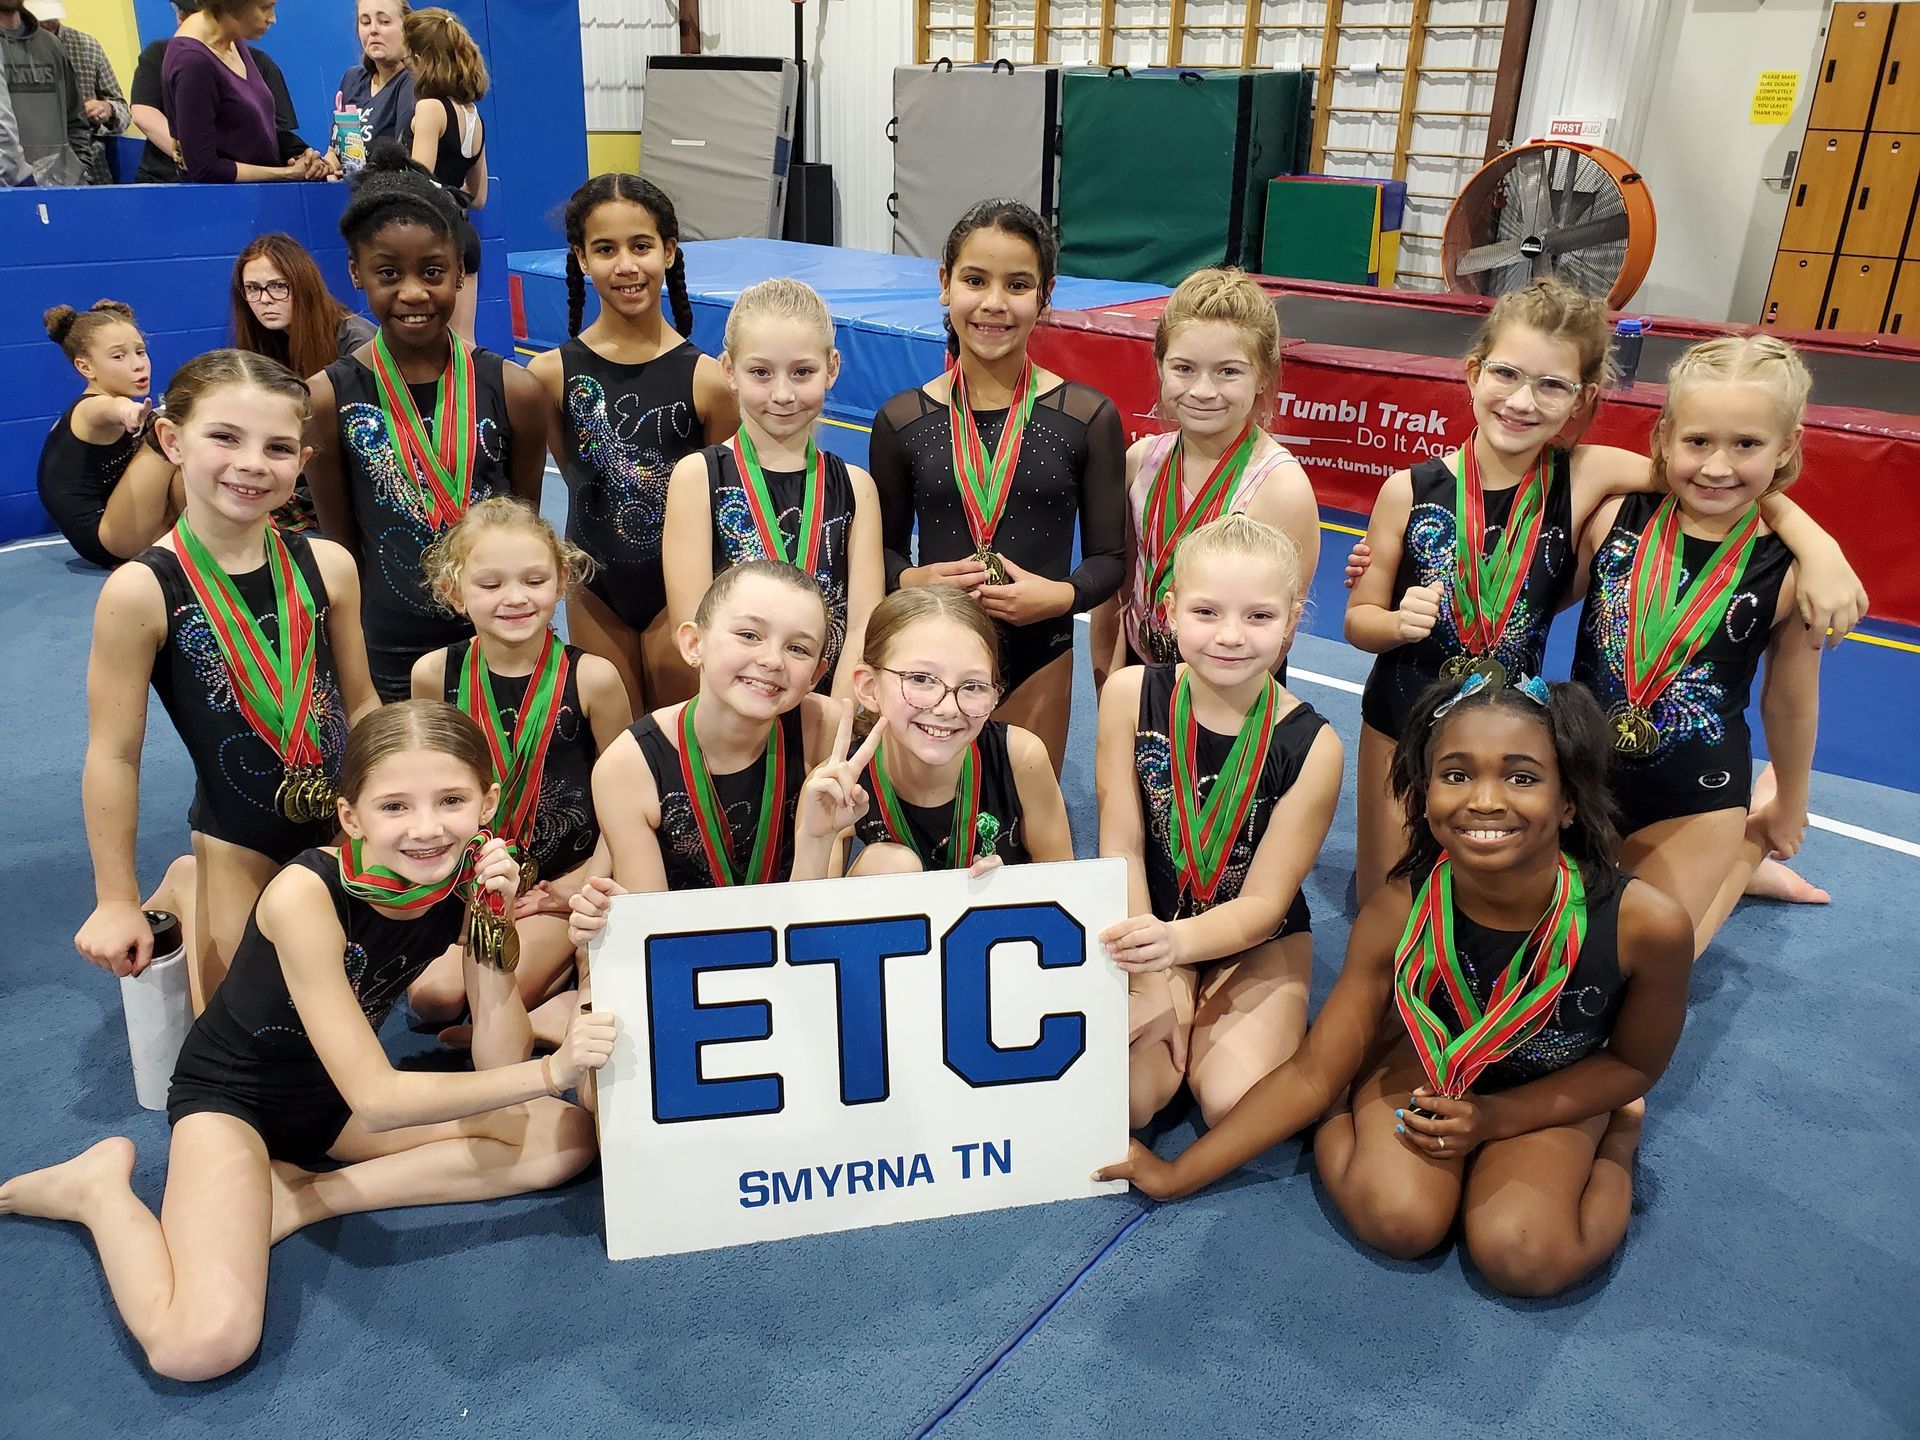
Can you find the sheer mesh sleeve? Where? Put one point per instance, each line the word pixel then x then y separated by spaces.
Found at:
pixel 1103 500
pixel 893 479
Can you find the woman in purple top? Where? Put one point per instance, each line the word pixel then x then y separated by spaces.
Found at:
pixel 222 111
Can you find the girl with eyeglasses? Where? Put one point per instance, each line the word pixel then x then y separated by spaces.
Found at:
pixel 950 788
pixel 1471 553
pixel 283 309
pixel 1217 787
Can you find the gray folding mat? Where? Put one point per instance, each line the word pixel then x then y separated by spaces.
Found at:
pixel 719 136
pixel 963 133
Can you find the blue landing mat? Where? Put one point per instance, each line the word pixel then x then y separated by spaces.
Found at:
pixel 886 308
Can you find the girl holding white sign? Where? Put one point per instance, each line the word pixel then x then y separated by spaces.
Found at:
pixel 548 710
pixel 1507 999
pixel 1217 787
pixel 770 492
pixel 285 1065
pixel 951 788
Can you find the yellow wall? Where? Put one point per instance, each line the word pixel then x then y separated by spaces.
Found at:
pixel 613 150
pixel 111 23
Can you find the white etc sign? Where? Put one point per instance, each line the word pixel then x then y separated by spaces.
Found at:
pixel 833 1054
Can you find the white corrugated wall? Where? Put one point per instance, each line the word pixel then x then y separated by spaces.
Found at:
pixel 851 47
pixel 1592 59
pixel 616 36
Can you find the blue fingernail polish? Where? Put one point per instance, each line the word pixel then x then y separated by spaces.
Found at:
pixel 1399 1129
pixel 1399 1114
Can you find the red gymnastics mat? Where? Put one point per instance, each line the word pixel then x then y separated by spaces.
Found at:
pixel 1371 382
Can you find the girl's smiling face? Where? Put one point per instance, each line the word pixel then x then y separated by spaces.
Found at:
pixel 1525 390
pixel 936 689
pixel 510 584
pixel 239 451
pixel 1494 798
pixel 993 294
pixel 1209 385
pixel 782 374
pixel 412 279
pixel 1233 617
pixel 625 258
pixel 416 812
pixel 762 650
pixel 1725 442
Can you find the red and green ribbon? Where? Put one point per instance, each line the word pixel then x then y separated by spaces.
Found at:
pixel 984 483
pixel 273 682
pixel 1487 585
pixel 441 464
pixel 716 837
pixel 1667 622
pixel 1201 832
pixel 378 885
pixel 520 758
pixel 1168 521
pixel 766 518
pixel 966 809
pixel 1522 998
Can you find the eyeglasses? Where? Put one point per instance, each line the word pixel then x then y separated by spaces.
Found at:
pixel 1550 392
pixel 1533 687
pixel 976 698
pixel 272 290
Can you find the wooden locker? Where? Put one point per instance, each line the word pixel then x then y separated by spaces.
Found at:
pixel 1822 190
pixel 1903 311
pixel 1844 85
pixel 1857 300
pixel 1883 195
pixel 1794 293
pixel 1897 107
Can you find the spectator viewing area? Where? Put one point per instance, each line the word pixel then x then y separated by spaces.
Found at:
pixel 1296 619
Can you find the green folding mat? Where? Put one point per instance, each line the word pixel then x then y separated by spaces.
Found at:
pixel 1322 229
pixel 1164 171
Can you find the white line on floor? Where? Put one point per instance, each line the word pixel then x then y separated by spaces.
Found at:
pixel 1818 822
pixel 32 544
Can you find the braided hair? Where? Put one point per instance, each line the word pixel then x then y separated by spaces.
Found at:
pixel 393 190
pixel 602 190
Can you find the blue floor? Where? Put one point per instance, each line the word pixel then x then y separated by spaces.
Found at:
pixel 1770 1284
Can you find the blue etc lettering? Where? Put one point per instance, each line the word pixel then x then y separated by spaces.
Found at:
pixel 896 1048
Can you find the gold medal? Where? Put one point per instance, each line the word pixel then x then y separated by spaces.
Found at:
pixel 1454 666
pixel 1162 647
pixel 1634 732
pixel 492 940
pixel 996 568
pixel 529 874
pixel 285 800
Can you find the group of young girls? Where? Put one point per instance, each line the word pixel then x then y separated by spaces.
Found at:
pixel 842 672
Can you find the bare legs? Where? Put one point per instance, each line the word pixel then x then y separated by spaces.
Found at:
pixel 1381 832
pixel 1541 1210
pixel 1693 859
pixel 228 879
pixel 191 1284
pixel 1044 705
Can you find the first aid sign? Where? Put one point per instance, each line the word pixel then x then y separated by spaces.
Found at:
pixel 834 1054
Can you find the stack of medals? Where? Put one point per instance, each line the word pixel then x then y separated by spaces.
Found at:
pixel 716 837
pixel 1668 622
pixel 1201 833
pixel 766 520
pixel 984 486
pixel 440 464
pixel 1486 588
pixel 961 833
pixel 489 936
pixel 1168 522
pixel 519 759
pixel 272 680
pixel 1521 1000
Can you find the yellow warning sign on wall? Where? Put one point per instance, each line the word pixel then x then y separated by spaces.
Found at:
pixel 1773 96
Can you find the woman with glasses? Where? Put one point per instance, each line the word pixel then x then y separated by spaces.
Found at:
pixel 282 309
pixel 1473 550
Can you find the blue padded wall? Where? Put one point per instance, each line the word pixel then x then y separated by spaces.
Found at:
pixel 166 250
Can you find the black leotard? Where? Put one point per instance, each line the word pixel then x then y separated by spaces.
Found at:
pixel 626 426
pixel 248 1054
pixel 236 773
pixel 1427 558
pixel 1583 1016
pixel 400 618
pixel 735 539
pixel 1293 736
pixel 739 796
pixel 75 479
pixel 997 829
pixel 564 827
pixel 1073 464
pixel 1705 759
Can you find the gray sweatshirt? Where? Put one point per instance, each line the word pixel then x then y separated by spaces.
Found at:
pixel 47 105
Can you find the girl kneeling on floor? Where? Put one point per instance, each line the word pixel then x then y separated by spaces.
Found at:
pixel 1508 999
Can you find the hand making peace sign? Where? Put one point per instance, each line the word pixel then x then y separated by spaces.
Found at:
pixel 833 798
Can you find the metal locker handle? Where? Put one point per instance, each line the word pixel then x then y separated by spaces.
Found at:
pixel 1829 76
pixel 1800 198
pixel 1865 190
